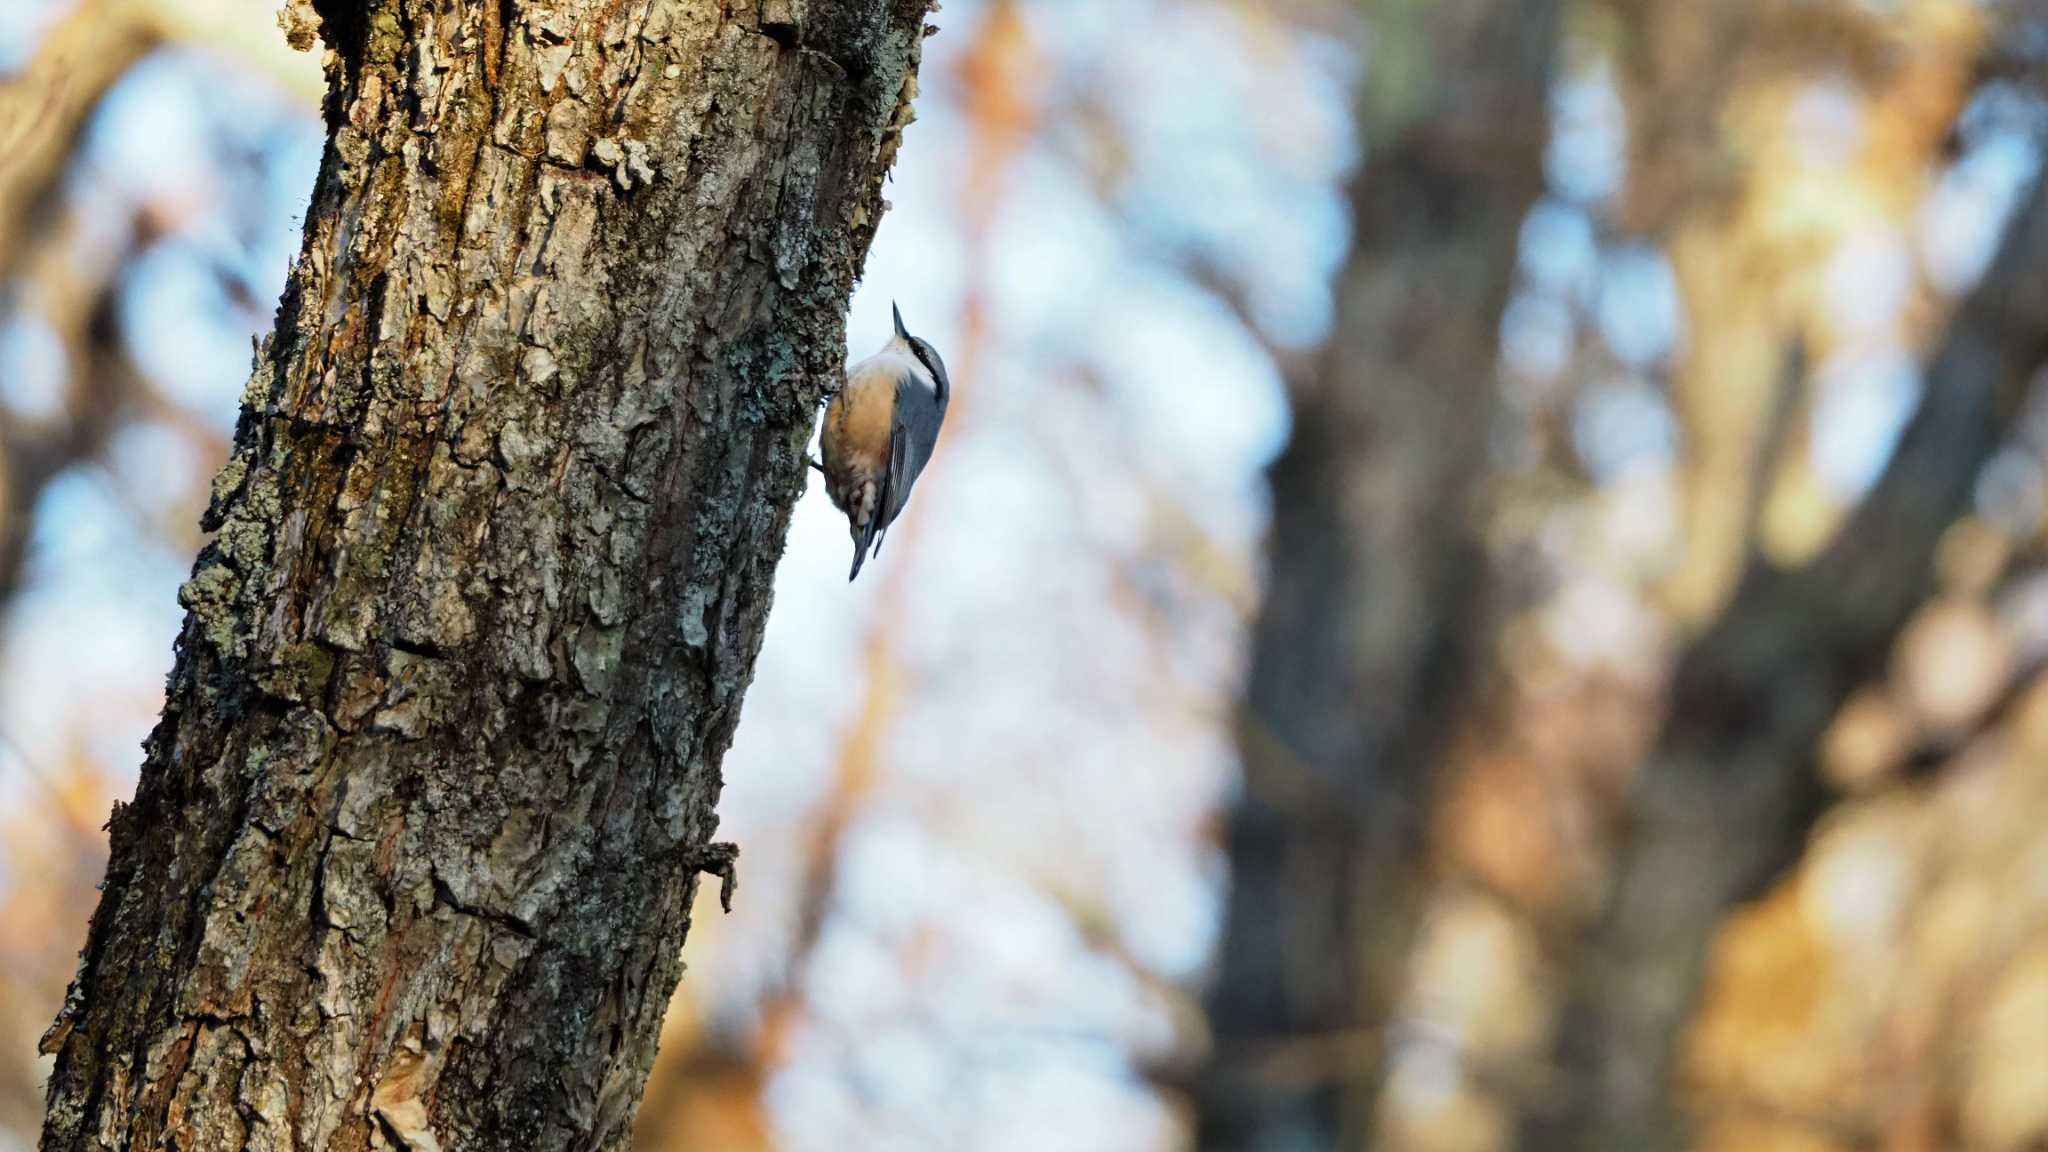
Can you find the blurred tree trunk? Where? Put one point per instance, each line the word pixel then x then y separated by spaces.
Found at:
pixel 1362 642
pixel 1728 796
pixel 43 112
pixel 44 106
pixel 414 848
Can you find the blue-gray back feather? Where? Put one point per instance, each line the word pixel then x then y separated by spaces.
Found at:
pixel 919 413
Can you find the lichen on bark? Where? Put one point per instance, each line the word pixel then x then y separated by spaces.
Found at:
pixel 413 851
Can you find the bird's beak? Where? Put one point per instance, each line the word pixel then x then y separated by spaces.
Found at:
pixel 898 313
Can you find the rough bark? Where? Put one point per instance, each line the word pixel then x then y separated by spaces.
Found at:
pixel 1375 575
pixel 413 851
pixel 1729 793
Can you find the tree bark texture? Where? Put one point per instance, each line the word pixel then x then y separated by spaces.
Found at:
pixel 1730 792
pixel 1359 649
pixel 415 843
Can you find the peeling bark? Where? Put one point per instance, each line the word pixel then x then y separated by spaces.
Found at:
pixel 1361 646
pixel 413 852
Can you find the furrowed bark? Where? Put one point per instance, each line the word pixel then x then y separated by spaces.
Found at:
pixel 1729 795
pixel 413 852
pixel 1361 645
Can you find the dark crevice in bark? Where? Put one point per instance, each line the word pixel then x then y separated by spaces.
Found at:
pixel 345 29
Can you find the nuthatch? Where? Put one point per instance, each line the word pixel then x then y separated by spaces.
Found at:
pixel 879 432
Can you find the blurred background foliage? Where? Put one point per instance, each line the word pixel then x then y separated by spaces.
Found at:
pixel 1733 804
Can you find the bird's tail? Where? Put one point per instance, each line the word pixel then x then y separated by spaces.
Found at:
pixel 863 544
pixel 873 506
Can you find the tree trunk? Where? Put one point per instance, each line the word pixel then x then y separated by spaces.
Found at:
pixel 1360 645
pixel 1729 794
pixel 413 852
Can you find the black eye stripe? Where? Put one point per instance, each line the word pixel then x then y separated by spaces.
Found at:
pixel 929 357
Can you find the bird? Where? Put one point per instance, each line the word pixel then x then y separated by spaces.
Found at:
pixel 880 428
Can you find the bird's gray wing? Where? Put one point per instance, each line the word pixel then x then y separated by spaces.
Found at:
pixel 918 416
